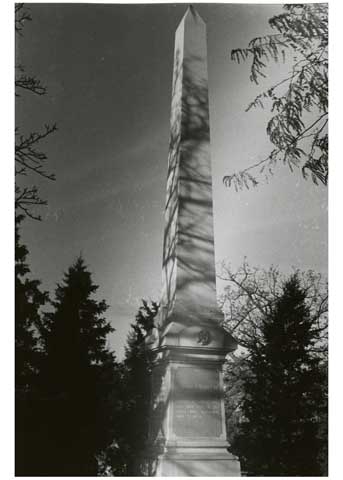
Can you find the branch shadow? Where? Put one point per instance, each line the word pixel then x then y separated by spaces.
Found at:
pixel 188 247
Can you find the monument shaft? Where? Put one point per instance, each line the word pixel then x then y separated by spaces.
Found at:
pixel 187 425
pixel 189 283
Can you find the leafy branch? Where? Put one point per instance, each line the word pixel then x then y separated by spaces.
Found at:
pixel 294 101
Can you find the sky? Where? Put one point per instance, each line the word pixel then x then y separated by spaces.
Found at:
pixel 108 70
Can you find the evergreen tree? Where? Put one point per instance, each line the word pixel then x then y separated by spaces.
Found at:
pixel 283 394
pixel 136 388
pixel 77 378
pixel 28 301
pixel 28 356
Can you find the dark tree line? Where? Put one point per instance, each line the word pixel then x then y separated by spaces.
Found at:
pixel 127 454
pixel 79 412
pixel 63 373
pixel 277 384
pixel 28 301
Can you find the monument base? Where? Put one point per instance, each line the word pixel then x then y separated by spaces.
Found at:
pixel 187 424
pixel 200 462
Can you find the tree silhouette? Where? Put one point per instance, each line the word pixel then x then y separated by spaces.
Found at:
pixel 29 299
pixel 77 378
pixel 276 388
pixel 28 156
pixel 298 102
pixel 29 352
pixel 127 456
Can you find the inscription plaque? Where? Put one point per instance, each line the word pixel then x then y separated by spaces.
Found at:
pixel 197 408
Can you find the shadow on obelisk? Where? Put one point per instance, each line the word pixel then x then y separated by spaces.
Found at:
pixel 187 425
pixel 188 262
pixel 189 293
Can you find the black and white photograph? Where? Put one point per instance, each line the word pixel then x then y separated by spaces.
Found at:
pixel 171 239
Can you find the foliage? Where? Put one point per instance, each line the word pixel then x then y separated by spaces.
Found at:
pixel 298 102
pixel 28 301
pixel 29 351
pixel 251 293
pixel 78 377
pixel 276 387
pixel 28 156
pixel 127 455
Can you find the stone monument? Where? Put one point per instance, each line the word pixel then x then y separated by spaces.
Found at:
pixel 187 425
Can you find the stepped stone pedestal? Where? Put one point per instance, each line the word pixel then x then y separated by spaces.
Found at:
pixel 187 425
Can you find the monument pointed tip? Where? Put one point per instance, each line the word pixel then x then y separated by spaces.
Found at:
pixel 191 10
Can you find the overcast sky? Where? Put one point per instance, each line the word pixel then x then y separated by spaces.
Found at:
pixel 108 69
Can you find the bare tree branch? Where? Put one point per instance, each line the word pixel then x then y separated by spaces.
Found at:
pixel 28 156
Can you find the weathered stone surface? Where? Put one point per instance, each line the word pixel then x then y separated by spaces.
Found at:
pixel 189 279
pixel 188 418
pixel 197 406
pixel 200 464
pixel 187 424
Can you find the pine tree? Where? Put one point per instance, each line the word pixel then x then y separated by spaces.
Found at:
pixel 136 389
pixel 28 301
pixel 28 356
pixel 78 376
pixel 283 393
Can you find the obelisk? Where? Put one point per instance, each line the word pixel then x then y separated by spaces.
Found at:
pixel 187 426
